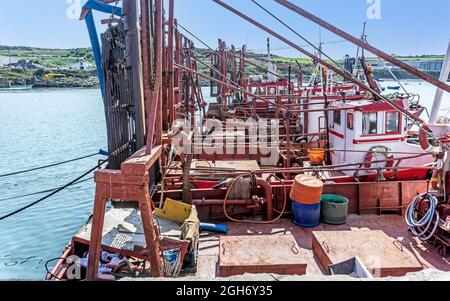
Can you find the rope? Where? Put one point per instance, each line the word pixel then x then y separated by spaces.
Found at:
pixel 47 166
pixel 40 192
pixel 53 193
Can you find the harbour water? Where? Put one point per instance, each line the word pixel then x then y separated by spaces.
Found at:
pixel 44 126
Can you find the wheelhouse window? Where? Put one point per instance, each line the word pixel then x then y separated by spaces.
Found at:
pixel 337 117
pixel 350 121
pixel 392 122
pixel 272 91
pixel 370 124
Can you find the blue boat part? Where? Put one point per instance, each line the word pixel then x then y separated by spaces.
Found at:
pixel 103 153
pixel 95 5
pixel 223 229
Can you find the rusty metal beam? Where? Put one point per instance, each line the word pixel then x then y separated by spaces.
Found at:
pixel 152 97
pixel 364 45
pixel 170 51
pixel 229 86
pixel 361 84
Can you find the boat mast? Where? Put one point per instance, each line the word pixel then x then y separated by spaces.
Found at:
pixel 439 92
pixel 270 67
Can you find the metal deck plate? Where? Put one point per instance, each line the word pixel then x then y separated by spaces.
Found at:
pixel 382 255
pixel 123 230
pixel 278 254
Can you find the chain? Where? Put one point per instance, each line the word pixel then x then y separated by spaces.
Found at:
pixel 152 43
pixel 111 19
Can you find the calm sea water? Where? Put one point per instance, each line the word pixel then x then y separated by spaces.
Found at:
pixel 40 127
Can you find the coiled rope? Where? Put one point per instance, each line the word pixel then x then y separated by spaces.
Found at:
pixel 421 227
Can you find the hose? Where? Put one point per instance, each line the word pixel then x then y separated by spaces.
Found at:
pixel 252 221
pixel 426 221
pixel 283 211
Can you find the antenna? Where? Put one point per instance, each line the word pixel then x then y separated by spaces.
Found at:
pixel 268 48
pixel 363 37
pixel 320 42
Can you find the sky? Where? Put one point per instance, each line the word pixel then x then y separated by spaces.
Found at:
pixel 402 27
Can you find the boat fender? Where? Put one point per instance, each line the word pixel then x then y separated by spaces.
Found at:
pixel 390 162
pixel 425 143
pixel 435 179
pixel 368 159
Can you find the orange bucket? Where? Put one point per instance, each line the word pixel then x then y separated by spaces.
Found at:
pixel 307 190
pixel 316 156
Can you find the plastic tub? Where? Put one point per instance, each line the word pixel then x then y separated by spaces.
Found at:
pixel 306 215
pixel 334 209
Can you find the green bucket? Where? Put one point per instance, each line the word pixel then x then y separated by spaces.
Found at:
pixel 334 209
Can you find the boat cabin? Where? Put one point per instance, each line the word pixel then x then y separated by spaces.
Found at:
pixel 366 131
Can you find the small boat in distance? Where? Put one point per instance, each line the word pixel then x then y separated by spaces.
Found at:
pixel 6 85
pixel 393 87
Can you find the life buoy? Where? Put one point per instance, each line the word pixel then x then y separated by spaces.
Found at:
pixel 379 150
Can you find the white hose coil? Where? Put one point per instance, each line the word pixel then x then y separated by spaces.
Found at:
pixel 422 226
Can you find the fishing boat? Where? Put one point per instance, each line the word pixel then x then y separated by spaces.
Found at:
pixel 261 171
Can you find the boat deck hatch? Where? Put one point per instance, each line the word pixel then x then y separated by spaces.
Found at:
pixel 278 254
pixel 382 255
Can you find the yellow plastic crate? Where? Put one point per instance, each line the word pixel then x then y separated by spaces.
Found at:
pixel 174 211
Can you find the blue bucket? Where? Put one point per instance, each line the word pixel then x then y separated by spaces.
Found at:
pixel 306 215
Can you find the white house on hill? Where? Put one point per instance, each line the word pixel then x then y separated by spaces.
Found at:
pixel 81 66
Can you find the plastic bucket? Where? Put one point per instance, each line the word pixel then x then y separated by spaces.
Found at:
pixel 334 209
pixel 316 156
pixel 306 215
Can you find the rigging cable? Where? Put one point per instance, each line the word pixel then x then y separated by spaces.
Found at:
pixel 196 37
pixel 295 32
pixel 54 192
pixel 50 165
pixel 246 61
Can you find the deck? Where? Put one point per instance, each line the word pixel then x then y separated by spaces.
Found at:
pixel 393 226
